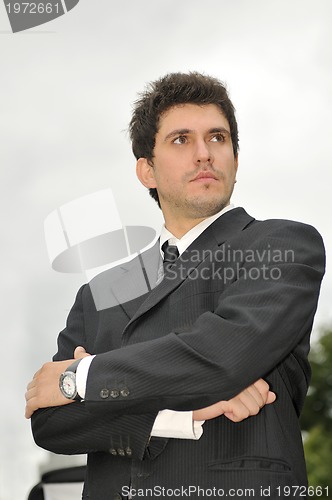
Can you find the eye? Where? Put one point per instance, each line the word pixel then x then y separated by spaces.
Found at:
pixel 218 138
pixel 182 139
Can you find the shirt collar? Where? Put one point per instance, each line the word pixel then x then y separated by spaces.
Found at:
pixel 186 240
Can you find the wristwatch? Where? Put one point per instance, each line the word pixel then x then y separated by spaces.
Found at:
pixel 67 382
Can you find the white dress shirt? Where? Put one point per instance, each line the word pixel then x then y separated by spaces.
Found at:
pixel 168 423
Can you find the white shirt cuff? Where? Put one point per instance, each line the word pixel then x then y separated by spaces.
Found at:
pixel 177 424
pixel 82 374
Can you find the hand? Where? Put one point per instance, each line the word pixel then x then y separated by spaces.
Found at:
pixel 248 403
pixel 43 390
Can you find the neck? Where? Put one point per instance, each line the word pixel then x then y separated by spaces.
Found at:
pixel 179 224
pixel 180 228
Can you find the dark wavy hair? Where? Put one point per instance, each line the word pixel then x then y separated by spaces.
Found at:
pixel 169 91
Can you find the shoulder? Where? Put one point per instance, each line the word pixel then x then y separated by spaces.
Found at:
pixel 286 228
pixel 301 240
pixel 282 229
pixel 240 219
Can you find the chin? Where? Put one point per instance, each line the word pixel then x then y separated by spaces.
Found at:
pixel 206 208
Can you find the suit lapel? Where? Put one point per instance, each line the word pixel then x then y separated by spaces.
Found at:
pixel 227 226
pixel 230 224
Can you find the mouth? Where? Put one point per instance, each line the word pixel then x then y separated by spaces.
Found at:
pixel 205 177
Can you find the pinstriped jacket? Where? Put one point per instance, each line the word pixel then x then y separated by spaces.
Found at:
pixel 238 305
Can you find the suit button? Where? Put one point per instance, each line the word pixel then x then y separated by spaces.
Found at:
pixel 113 451
pixel 104 393
pixel 114 393
pixel 121 452
pixel 129 451
pixel 125 392
pixel 117 497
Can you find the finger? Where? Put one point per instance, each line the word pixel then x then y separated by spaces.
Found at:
pixel 31 384
pixel 262 387
pixel 256 395
pixel 80 353
pixel 250 402
pixel 27 413
pixel 271 397
pixel 209 412
pixel 260 400
pixel 36 374
pixel 30 409
pixel 30 393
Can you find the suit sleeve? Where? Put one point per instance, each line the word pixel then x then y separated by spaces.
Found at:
pixel 255 325
pixel 72 429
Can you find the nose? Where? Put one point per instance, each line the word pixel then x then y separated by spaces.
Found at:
pixel 203 154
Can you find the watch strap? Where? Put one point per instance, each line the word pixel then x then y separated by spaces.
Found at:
pixel 73 366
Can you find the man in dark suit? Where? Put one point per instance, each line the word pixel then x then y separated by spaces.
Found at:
pixel 235 307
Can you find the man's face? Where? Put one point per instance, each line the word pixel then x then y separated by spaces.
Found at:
pixel 193 167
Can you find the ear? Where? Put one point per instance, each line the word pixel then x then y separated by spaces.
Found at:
pixel 145 173
pixel 236 163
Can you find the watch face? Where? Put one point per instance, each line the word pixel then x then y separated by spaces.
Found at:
pixel 68 385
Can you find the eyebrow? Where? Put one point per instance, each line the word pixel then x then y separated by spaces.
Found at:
pixel 184 131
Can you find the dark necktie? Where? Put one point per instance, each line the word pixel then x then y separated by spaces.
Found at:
pixel 171 253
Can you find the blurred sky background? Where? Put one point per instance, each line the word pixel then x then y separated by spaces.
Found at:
pixel 66 93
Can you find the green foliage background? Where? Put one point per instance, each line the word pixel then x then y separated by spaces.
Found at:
pixel 316 418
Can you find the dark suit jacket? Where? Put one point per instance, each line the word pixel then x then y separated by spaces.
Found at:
pixel 238 305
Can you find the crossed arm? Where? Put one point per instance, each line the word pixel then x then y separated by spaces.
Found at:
pixel 43 391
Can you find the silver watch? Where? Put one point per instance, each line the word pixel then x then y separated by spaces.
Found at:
pixel 67 382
